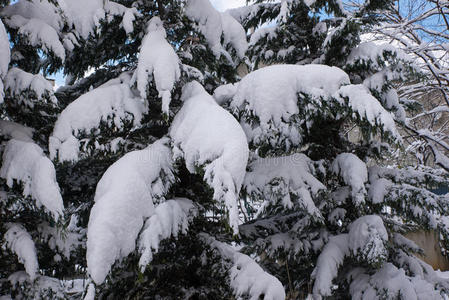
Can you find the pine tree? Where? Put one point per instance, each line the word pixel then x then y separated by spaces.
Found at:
pixel 160 171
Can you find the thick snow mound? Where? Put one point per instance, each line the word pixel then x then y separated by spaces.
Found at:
pixel 123 200
pixel 247 277
pixel 169 219
pixel 158 60
pixel 216 26
pixel 18 81
pixel 25 162
pixel 19 241
pixel 270 179
pixel 270 94
pixel 112 104
pixel 354 173
pixel 208 136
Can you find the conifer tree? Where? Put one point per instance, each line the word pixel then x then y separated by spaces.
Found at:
pixel 162 171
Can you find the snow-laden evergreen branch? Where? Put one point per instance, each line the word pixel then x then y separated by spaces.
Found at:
pixel 247 277
pixel 223 155
pixel 20 242
pixel 25 162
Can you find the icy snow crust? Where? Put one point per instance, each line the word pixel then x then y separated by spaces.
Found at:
pixel 124 198
pixel 157 59
pixel 247 277
pixel 215 25
pixel 25 162
pixel 208 136
pixel 112 104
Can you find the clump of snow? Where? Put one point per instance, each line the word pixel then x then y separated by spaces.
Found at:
pixel 378 190
pixel 366 239
pixel 270 179
pixel 224 93
pixel 112 104
pixel 215 26
pixel 354 173
pixel 128 18
pixel 270 95
pixel 19 241
pixel 158 60
pixel 392 282
pixel 64 242
pixel 367 107
pixel 4 58
pixel 169 218
pixel 16 131
pixel 25 161
pixel 208 136
pixel 247 277
pixel 123 200
pixel 39 34
pixel 330 259
pixel 369 52
pixel 18 81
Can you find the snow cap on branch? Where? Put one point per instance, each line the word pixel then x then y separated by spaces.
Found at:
pixel 157 60
pixel 124 198
pixel 207 136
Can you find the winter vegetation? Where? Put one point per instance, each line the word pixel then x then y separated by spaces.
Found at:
pixel 291 149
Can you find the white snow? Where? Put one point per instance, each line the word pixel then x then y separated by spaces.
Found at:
pixel 62 242
pixel 169 219
pixel 378 190
pixel 330 259
pixel 369 52
pixel 224 93
pixel 367 235
pixel 19 241
pixel 158 60
pixel 16 131
pixel 123 200
pixel 112 104
pixel 25 162
pixel 39 34
pixel 247 277
pixel 271 95
pixel 208 136
pixel 270 179
pixel 354 173
pixel 18 81
pixel 391 281
pixel 367 107
pixel 215 26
